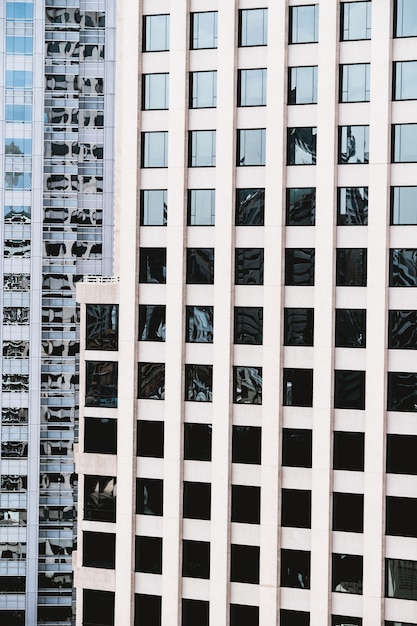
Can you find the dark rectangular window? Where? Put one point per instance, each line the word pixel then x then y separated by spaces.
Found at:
pixel 152 265
pixel 202 148
pixel 297 447
pixel 294 618
pixel 203 30
pixel 246 504
pixel 248 326
pixel 350 328
pixel 100 435
pixel 348 451
pixel 401 454
pixel 304 24
pixel 244 614
pixel 101 384
pixel 402 330
pixel 150 439
pixel 405 80
pixel 100 498
pixel 195 559
pixel 405 18
pixel 299 266
pixel 247 385
pixel 154 149
pixel 301 206
pixel 342 620
pixel 244 564
pixel 195 612
pixel 354 83
pixel 199 324
pixel 149 496
pixel 250 207
pixel 353 144
pixel 404 143
pixel 102 321
pixel 251 147
pixel 200 266
pixel 196 500
pixel 155 33
pixel 352 206
pixel 404 205
pixel 297 387
pixel 402 391
pixel 150 606
pixel 16 617
pixel 348 512
pixel 155 92
pixel 295 569
pixel 356 21
pixel 301 146
pixel 347 573
pixel 252 88
pixel 351 267
pixel 296 508
pixel 349 389
pixel 401 515
pixel 197 442
pixel 249 266
pixel 201 207
pixel 203 90
pixel 253 27
pixel 246 445
pixel 99 550
pixel 148 555
pixel 401 579
pixel 151 381
pixel 98 607
pixel 153 207
pixel 302 85
pixel 152 322
pixel 298 327
pixel 403 267
pixel 199 383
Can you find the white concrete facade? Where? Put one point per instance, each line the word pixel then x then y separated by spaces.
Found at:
pixel 319 602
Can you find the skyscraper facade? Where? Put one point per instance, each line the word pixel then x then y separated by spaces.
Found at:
pixel 248 378
pixel 56 80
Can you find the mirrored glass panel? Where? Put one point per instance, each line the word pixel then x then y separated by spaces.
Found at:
pixel 152 265
pixel 249 266
pixel 299 266
pixel 351 267
pixel 402 391
pixel 301 206
pixel 153 207
pixel 101 384
pixel 401 579
pixel 151 381
pixel 151 322
pixel 301 146
pixel 402 330
pixel 200 266
pixel 250 207
pixel 199 383
pixel 353 144
pixel 251 147
pixel 247 385
pixel 302 85
pixel 347 573
pixel 350 328
pixel 352 206
pixel 102 322
pixel 403 267
pixel 100 498
pixel 248 326
pixel 199 324
pixel 298 327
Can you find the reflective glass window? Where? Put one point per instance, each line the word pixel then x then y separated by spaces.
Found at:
pixel 302 85
pixel 151 381
pixel 13 617
pixel 155 92
pixel 18 79
pixel 247 385
pixel 403 267
pixel 296 508
pixel 348 512
pixel 17 45
pixel 203 30
pixel 201 207
pixel 403 205
pixel 199 383
pixel 199 324
pixel 246 445
pixel 18 180
pixel 250 207
pixel 297 447
pixel 100 498
pixel 352 206
pixel 248 325
pixel 98 607
pixel 152 265
pixel 249 266
pixel 152 322
pixel 195 612
pixel 148 555
pixel 347 573
pixel 200 266
pixel 351 267
pixel 402 330
pixel 203 90
pixel 405 80
pixel 401 514
pixel 202 148
pixel 17 146
pixel 301 206
pixel 244 614
pixel 19 11
pixel 101 384
pixel 148 605
pixel 298 327
pixel 356 21
pixel 153 207
pixel 297 387
pixel 150 439
pixel 102 326
pixel 401 454
pixel 404 143
pixel 401 579
pixel 195 559
pixel 253 27
pixel 301 146
pixel 304 24
pixel 348 451
pixel 350 328
pixel 197 442
pixel 99 550
pixel 405 18
pixel 244 564
pixel 295 569
pixel 246 504
pixel 354 82
pixel 18 112
pixel 196 500
pixel 299 266
pixel 155 33
pixel 342 620
pixel 251 147
pixel 353 144
pixel 149 496
pixel 100 435
pixel 155 149
pixel 402 391
pixel 349 389
pixel 252 88
pixel 294 618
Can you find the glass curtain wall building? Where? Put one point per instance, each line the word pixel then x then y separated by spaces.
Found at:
pixel 248 381
pixel 56 131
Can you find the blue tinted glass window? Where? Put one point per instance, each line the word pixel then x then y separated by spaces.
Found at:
pixel 17 146
pixel 19 11
pixel 403 205
pixel 18 112
pixel 354 82
pixel 404 143
pixel 204 30
pixel 252 88
pixel 405 80
pixel 405 18
pixel 353 144
pixel 356 21
pixel 302 85
pixel 304 24
pixel 253 27
pixel 17 180
pixel 19 45
pixel 18 79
